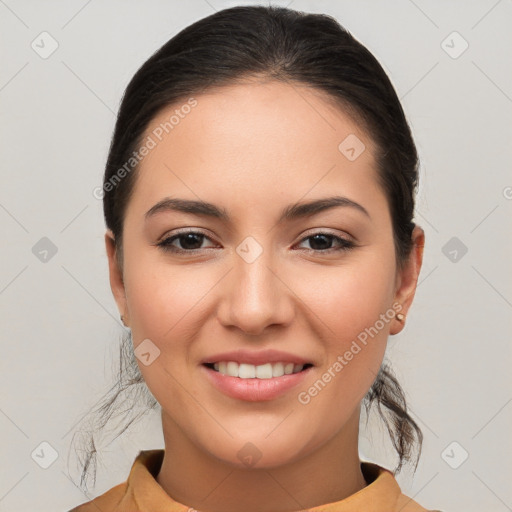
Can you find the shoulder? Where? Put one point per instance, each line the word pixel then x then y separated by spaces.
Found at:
pixel 139 484
pixel 106 502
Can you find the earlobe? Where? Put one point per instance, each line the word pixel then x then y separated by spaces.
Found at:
pixel 115 273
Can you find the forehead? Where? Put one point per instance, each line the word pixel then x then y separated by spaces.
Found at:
pixel 252 140
pixel 241 117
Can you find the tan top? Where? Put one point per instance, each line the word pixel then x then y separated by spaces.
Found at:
pixel 142 493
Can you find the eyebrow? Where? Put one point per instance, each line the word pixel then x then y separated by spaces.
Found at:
pixel 291 212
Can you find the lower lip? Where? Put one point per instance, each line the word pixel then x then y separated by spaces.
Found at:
pixel 254 390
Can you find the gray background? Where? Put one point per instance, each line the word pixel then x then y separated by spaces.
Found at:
pixel 60 326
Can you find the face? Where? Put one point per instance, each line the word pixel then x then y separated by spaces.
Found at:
pixel 251 291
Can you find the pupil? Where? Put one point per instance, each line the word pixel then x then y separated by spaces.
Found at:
pixel 316 238
pixel 191 241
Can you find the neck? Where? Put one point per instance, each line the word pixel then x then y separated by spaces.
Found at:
pixel 198 480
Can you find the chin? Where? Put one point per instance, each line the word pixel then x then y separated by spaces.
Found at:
pixel 256 452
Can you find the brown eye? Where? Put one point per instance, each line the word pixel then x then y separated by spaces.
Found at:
pixel 322 242
pixel 184 242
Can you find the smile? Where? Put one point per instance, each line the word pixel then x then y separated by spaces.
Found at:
pixel 251 371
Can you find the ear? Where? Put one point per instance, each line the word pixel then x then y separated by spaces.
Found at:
pixel 407 278
pixel 116 275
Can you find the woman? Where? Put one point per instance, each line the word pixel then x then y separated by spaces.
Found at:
pixel 258 197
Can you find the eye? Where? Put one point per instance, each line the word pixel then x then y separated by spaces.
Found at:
pixel 190 241
pixel 322 242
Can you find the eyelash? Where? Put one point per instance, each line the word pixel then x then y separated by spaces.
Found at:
pixel 165 245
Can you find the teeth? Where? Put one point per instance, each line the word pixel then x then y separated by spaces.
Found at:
pixel 232 369
pixel 250 371
pixel 246 371
pixel 277 369
pixel 264 371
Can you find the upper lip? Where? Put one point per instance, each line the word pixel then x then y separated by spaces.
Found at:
pixel 256 357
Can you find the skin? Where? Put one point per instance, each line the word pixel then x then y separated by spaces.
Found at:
pixel 253 149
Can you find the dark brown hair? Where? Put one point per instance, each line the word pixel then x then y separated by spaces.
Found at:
pixel 278 44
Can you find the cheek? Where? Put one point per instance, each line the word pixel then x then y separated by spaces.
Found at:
pixel 164 303
pixel 349 298
pixel 355 338
pixel 163 299
pixel 354 306
pixel 167 305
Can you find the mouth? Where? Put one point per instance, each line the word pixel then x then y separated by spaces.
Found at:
pixel 264 371
pixel 256 376
pixel 256 382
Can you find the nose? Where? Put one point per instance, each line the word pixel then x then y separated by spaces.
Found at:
pixel 255 296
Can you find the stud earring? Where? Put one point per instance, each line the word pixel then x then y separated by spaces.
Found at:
pixel 122 320
pixel 400 317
